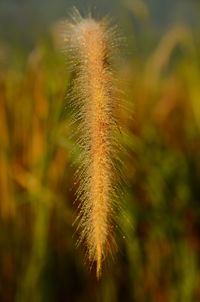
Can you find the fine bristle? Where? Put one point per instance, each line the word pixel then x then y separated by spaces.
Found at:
pixel 90 46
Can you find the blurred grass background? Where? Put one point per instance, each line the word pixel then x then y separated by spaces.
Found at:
pixel 158 258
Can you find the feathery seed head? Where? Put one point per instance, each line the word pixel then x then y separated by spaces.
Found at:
pixel 93 96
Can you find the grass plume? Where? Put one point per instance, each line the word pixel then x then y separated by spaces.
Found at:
pixel 91 45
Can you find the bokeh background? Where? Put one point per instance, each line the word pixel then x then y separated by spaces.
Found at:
pixel 158 259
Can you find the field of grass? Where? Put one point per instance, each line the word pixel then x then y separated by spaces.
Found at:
pixel 158 259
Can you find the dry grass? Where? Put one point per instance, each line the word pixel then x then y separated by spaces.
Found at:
pixel 93 96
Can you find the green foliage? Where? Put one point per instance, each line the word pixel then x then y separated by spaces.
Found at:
pixel 158 258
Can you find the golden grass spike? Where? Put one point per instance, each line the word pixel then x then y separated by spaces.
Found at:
pixel 91 47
